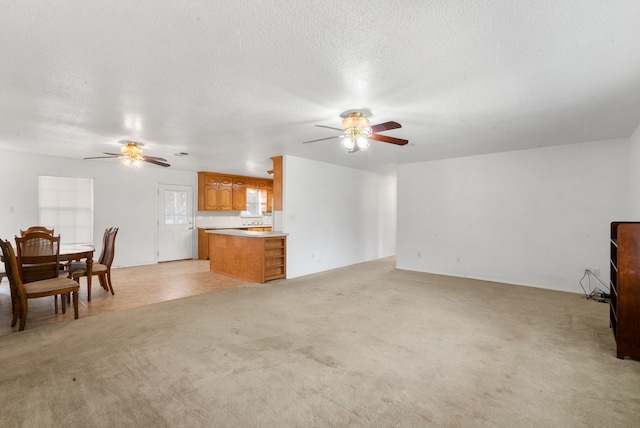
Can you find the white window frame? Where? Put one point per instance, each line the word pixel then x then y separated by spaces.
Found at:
pixel 66 205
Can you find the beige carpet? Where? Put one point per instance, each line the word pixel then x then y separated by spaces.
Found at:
pixel 365 345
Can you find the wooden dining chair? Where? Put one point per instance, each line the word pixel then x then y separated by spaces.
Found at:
pixel 21 292
pixel 63 265
pixel 36 229
pixel 38 255
pixel 103 267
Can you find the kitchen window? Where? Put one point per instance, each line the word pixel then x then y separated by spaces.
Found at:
pixel 253 203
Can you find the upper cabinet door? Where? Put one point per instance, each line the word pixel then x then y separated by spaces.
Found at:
pixel 239 199
pixel 257 183
pixel 225 198
pixel 211 199
pixel 239 181
pixel 218 179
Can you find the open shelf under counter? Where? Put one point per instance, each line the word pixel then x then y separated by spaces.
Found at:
pixel 250 255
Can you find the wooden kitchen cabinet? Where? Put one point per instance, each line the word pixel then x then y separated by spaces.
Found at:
pixel 214 179
pixel 269 200
pixel 252 256
pixel 203 244
pixel 239 198
pixel 219 198
pixel 222 192
pixel 239 193
pixel 215 192
pixel 203 238
pixel 257 183
pixel 239 181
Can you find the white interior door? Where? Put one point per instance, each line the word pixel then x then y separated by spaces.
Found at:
pixel 175 222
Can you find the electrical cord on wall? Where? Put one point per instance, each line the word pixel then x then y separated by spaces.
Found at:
pixel 595 293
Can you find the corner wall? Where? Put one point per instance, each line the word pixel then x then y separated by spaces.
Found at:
pixel 335 216
pixel 123 197
pixel 531 217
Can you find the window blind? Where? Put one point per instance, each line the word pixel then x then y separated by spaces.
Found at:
pixel 66 204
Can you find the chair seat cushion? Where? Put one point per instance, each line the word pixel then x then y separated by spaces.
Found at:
pixel 49 285
pixel 80 268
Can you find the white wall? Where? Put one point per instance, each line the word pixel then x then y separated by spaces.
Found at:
pixel 335 216
pixel 634 175
pixel 532 217
pixel 123 197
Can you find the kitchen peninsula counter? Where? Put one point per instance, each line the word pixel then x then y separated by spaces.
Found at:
pixel 249 255
pixel 203 238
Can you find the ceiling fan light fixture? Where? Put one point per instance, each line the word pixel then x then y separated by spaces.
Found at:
pixel 132 155
pixel 357 132
pixel 355 120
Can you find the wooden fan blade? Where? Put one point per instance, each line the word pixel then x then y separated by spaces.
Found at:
pixel 387 139
pixel 113 154
pixel 104 157
pixel 155 162
pixel 330 127
pixel 385 126
pixel 322 139
pixel 155 158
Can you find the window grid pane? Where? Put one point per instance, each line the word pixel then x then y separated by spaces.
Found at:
pixel 175 207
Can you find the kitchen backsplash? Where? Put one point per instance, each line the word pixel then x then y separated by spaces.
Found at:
pixel 229 219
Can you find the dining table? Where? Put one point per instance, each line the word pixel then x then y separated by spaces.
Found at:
pixel 75 252
pixel 72 252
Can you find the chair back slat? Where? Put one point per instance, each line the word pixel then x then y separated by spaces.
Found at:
pixel 38 256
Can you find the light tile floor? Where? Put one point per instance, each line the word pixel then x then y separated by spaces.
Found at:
pixel 133 287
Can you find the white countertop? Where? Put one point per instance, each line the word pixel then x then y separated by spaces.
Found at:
pixel 247 233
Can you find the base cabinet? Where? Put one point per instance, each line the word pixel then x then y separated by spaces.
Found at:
pixel 252 258
pixel 624 310
pixel 203 238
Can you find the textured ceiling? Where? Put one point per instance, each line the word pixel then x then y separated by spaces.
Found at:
pixel 234 83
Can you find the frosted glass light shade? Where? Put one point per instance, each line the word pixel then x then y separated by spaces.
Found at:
pixel 348 143
pixel 363 143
